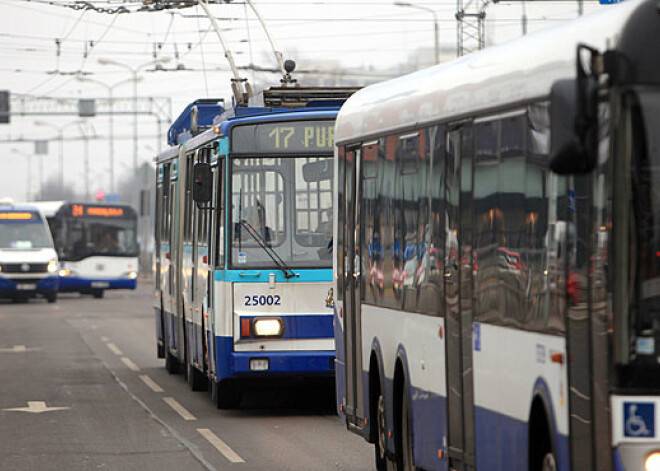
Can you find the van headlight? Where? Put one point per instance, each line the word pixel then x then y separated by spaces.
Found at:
pixel 652 462
pixel 53 267
pixel 268 327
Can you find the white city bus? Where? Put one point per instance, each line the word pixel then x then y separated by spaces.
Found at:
pixel 96 244
pixel 498 298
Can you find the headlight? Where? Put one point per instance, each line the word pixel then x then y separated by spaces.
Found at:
pixel 652 462
pixel 65 272
pixel 52 266
pixel 131 275
pixel 268 327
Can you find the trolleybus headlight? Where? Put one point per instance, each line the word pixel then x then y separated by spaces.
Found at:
pixel 53 267
pixel 131 275
pixel 65 272
pixel 652 462
pixel 268 327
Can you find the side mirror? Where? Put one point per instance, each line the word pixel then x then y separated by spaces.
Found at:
pixel 202 183
pixel 574 120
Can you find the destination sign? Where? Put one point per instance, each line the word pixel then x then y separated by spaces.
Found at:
pixel 18 216
pixel 79 210
pixel 283 137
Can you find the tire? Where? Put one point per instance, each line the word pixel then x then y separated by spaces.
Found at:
pixel 160 350
pixel 196 379
pixel 172 364
pixel 225 394
pixel 98 294
pixel 52 298
pixel 405 458
pixel 380 443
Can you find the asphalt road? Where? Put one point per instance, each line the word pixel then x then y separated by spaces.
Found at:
pixel 81 389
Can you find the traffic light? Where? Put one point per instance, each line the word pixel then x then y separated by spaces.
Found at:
pixel 4 106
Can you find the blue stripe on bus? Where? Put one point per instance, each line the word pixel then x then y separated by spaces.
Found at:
pixel 262 276
pixel 75 283
pixel 43 285
pixel 502 442
pixel 305 362
pixel 311 326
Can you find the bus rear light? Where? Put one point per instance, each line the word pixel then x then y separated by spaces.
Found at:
pixel 268 327
pixel 652 462
pixel 245 327
pixel 205 259
pixel 259 364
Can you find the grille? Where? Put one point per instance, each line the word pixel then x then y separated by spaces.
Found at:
pixel 19 267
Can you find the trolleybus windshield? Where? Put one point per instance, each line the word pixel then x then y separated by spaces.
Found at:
pixel 288 202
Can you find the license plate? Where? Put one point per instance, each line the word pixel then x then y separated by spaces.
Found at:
pixel 100 284
pixel 26 286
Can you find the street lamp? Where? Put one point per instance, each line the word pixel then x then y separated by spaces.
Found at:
pixel 60 137
pixel 111 150
pixel 435 25
pixel 29 172
pixel 134 71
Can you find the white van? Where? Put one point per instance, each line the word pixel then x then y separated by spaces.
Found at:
pixel 28 261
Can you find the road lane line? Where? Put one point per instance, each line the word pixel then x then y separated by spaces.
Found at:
pixel 104 339
pixel 114 349
pixel 221 446
pixel 179 409
pixel 151 383
pixel 130 364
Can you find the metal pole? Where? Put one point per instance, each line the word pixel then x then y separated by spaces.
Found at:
pixel 135 123
pixel 29 179
pixel 436 34
pixel 111 149
pixel 61 158
pixel 41 177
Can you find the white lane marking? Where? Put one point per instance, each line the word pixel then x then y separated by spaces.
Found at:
pixel 18 348
pixel 179 409
pixel 151 383
pixel 130 364
pixel 221 446
pixel 36 407
pixel 104 339
pixel 114 349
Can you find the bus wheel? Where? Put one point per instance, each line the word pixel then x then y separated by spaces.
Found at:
pixel 225 394
pixel 380 444
pixel 171 364
pixel 196 379
pixel 52 298
pixel 406 449
pixel 98 294
pixel 549 463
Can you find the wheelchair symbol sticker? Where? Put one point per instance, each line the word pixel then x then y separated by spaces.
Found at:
pixel 639 419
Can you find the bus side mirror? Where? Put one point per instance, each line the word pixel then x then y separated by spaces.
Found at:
pixel 574 120
pixel 202 183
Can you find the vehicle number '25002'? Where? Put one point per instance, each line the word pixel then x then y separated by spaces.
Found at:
pixel 270 300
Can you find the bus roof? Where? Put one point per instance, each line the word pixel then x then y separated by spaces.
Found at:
pixel 515 72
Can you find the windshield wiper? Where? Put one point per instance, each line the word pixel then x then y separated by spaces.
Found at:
pixel 263 243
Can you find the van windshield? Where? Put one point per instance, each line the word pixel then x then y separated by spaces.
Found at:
pixel 24 236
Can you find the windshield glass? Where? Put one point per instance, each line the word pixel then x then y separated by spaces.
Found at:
pixel 287 202
pixel 24 235
pixel 82 238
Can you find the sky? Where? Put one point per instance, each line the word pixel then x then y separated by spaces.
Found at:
pixel 46 46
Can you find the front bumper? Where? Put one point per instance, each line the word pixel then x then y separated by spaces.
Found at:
pixel 10 287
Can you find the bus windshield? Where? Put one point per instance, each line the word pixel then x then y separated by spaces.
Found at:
pixel 85 237
pixel 287 202
pixel 24 236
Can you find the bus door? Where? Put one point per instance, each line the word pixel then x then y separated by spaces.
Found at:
pixel 215 260
pixel 458 297
pixel 352 289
